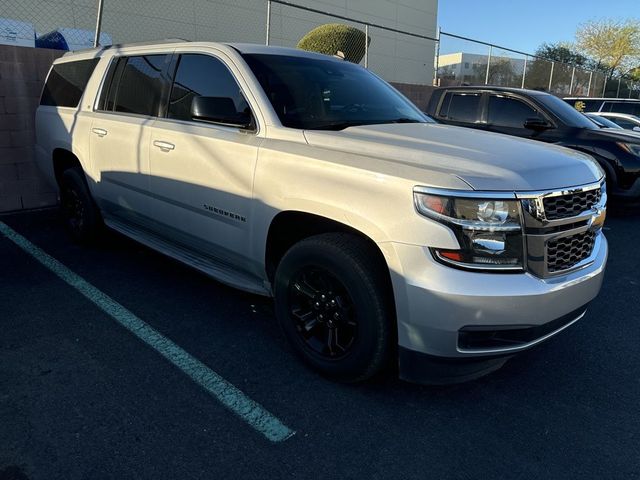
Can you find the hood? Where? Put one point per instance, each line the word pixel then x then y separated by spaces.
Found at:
pixel 616 135
pixel 483 160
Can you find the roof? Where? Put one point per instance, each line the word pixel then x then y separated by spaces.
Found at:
pixel 632 100
pixel 255 48
pixel 619 115
pixel 495 88
pixel 248 48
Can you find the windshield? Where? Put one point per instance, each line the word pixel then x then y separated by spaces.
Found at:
pixel 314 93
pixel 565 112
pixel 603 122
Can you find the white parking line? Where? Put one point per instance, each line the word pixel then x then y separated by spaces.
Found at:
pixel 230 396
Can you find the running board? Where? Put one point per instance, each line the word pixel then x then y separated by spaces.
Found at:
pixel 204 264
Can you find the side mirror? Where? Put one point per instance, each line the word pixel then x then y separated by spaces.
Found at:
pixel 219 110
pixel 636 129
pixel 537 124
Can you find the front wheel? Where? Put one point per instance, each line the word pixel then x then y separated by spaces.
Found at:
pixel 335 307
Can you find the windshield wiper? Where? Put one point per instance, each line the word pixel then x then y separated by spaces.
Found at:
pixel 405 120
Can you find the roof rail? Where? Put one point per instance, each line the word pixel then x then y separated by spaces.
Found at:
pixel 133 44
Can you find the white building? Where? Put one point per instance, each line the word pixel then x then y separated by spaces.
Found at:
pixel 471 67
pixel 396 57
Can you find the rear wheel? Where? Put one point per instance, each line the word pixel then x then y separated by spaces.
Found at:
pixel 79 211
pixel 334 306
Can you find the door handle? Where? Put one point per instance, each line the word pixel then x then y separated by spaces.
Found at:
pixel 101 132
pixel 164 146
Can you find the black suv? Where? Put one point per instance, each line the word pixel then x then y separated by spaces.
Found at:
pixel 544 117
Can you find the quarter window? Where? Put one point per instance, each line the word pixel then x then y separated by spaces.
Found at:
pixel 139 89
pixel 206 76
pixel 66 83
pixel 509 112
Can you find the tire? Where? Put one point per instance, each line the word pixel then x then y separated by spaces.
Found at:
pixel 344 268
pixel 80 213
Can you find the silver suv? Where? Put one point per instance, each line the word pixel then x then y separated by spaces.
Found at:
pixel 383 237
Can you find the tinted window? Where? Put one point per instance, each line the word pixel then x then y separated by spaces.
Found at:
pixel 584 105
pixel 202 75
pixel 325 93
pixel 631 108
pixel 140 88
pixel 66 83
pixel 509 112
pixel 110 88
pixel 461 107
pixel 566 113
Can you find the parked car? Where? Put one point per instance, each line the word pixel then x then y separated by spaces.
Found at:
pixel 602 122
pixel 540 116
pixel 607 124
pixel 623 120
pixel 381 235
pixel 617 105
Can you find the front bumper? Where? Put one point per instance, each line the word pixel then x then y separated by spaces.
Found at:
pixel 437 306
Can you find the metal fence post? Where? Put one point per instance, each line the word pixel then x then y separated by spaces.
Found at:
pixel 553 64
pixel 96 39
pixel 524 70
pixel 618 91
pixel 437 62
pixel 268 22
pixel 573 74
pixel 486 78
pixel 366 45
pixel 604 88
pixel 589 87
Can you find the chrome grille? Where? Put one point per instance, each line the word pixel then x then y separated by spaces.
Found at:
pixel 566 252
pixel 565 206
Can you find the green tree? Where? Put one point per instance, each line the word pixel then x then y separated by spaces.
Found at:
pixel 613 44
pixel 336 39
pixel 561 52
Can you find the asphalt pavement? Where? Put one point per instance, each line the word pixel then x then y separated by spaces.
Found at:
pixel 84 396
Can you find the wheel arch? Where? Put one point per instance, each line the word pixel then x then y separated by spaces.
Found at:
pixel 291 226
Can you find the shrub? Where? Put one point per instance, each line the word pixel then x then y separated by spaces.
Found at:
pixel 332 38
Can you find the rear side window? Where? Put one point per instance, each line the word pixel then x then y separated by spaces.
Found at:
pixel 137 85
pixel 631 108
pixel 461 107
pixel 206 76
pixel 66 83
pixel 509 112
pixel 584 105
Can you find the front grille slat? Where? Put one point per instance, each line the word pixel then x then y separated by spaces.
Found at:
pixel 566 252
pixel 571 205
pixel 558 232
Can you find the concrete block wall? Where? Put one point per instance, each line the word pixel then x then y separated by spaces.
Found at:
pixel 22 74
pixel 418 94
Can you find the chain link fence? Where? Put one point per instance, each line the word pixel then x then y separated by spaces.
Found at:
pixel 405 58
pixel 464 61
pixel 395 55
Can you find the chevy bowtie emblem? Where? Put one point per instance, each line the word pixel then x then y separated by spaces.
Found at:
pixel 597 220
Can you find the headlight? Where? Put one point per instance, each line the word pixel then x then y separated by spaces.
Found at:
pixel 489 230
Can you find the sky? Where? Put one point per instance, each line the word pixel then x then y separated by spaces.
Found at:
pixel 523 25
